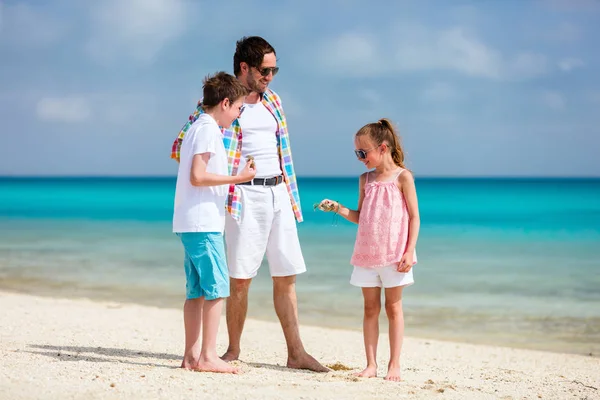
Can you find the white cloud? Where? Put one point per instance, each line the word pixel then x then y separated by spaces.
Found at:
pixel 134 29
pixel 24 25
pixel 569 64
pixel 415 48
pixel 63 109
pixel 553 100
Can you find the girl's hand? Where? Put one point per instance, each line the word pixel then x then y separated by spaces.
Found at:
pixel 328 205
pixel 406 262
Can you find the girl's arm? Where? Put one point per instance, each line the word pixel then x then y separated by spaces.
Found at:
pixel 199 176
pixel 407 186
pixel 352 215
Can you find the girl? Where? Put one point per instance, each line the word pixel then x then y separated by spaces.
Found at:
pixel 388 226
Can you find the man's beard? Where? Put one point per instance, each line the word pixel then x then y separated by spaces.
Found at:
pixel 254 85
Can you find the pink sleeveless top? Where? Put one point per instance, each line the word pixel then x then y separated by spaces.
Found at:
pixel 382 233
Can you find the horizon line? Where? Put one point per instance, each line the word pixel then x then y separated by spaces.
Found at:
pixel 306 176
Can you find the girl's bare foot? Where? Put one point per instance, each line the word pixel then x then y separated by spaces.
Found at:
pixel 215 364
pixel 393 373
pixel 369 372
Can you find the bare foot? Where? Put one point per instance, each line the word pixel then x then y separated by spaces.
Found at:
pixel 306 361
pixel 230 355
pixel 189 362
pixel 393 373
pixel 215 365
pixel 369 372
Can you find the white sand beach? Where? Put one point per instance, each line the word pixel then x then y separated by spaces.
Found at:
pixel 78 349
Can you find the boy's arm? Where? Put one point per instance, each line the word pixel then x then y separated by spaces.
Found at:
pixel 353 215
pixel 199 176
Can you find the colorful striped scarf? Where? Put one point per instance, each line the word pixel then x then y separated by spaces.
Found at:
pixel 232 140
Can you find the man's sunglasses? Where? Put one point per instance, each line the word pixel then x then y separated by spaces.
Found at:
pixel 362 154
pixel 267 70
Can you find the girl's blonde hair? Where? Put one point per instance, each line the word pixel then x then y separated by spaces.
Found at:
pixel 383 131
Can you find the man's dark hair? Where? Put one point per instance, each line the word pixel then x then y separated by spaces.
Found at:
pixel 219 87
pixel 250 50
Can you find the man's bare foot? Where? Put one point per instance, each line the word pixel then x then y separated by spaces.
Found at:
pixel 306 361
pixel 369 372
pixel 230 355
pixel 215 365
pixel 393 373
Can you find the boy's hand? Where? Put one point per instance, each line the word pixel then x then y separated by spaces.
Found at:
pixel 248 173
pixel 406 262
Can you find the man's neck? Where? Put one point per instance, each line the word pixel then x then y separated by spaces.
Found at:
pixel 253 98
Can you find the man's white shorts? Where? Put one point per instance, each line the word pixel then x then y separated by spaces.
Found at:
pixel 386 277
pixel 267 225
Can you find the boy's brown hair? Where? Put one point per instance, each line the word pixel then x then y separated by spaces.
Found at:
pixel 219 87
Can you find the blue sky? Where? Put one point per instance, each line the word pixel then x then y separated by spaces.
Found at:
pixel 476 87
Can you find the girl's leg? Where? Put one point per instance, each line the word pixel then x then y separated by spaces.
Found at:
pixel 209 360
pixel 393 309
pixel 372 297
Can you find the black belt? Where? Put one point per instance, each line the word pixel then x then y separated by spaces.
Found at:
pixel 274 181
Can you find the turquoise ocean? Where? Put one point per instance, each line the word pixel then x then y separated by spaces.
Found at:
pixel 513 262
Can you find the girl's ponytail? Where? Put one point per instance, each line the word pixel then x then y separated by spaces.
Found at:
pixel 394 142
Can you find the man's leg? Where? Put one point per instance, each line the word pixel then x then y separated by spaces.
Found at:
pixel 246 244
pixel 236 310
pixel 286 307
pixel 285 262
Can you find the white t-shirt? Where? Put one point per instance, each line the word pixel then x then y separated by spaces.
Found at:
pixel 201 208
pixel 259 139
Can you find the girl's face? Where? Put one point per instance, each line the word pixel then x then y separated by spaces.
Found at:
pixel 367 151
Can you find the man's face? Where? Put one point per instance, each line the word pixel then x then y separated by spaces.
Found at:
pixel 258 79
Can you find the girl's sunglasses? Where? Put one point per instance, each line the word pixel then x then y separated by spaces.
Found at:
pixel 362 154
pixel 267 70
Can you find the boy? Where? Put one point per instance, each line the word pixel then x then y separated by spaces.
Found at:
pixel 199 219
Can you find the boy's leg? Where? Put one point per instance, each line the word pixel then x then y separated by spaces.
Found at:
pixel 192 308
pixel 372 308
pixel 393 309
pixel 207 254
pixel 192 319
pixel 209 360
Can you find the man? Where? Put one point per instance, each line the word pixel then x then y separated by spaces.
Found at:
pixel 262 214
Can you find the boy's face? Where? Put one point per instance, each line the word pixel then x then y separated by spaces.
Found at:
pixel 231 111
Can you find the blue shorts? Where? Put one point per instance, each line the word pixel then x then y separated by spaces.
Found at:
pixel 205 265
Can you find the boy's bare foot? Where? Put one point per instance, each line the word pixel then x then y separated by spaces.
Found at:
pixel 393 373
pixel 369 372
pixel 306 361
pixel 215 365
pixel 189 362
